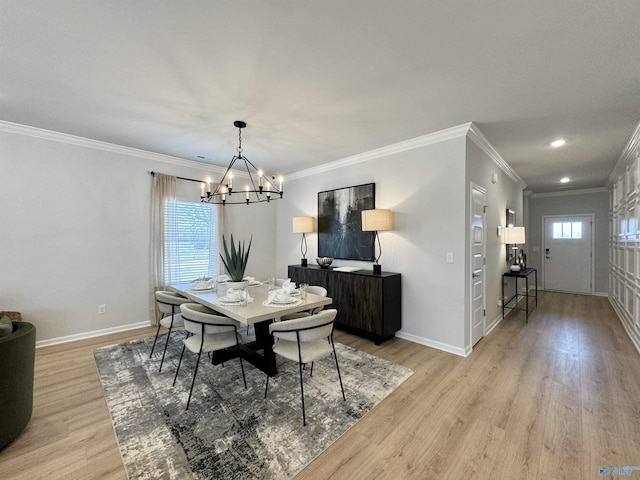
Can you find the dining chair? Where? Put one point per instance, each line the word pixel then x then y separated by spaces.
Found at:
pixel 305 340
pixel 168 303
pixel 315 290
pixel 210 332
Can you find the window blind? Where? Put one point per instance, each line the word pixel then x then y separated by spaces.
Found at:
pixel 190 241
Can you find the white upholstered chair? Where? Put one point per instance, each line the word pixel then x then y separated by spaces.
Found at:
pixel 210 332
pixel 169 305
pixel 305 340
pixel 314 290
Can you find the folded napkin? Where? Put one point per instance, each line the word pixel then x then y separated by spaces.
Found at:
pixel 201 284
pixel 250 279
pixel 222 278
pixel 288 286
pixel 233 294
pixel 271 297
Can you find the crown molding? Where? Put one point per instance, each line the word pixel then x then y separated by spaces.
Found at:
pixel 41 133
pixel 564 193
pixel 406 145
pixel 630 152
pixel 476 136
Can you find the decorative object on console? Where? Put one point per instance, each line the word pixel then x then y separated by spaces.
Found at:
pixel 223 192
pixel 339 223
pixel 324 262
pixel 514 236
pixel 375 221
pixel 235 262
pixel 304 225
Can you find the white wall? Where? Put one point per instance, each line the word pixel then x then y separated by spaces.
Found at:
pixel 505 193
pixel 572 203
pixel 427 189
pixel 75 231
pixel 424 187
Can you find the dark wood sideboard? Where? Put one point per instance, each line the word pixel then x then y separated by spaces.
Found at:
pixel 368 304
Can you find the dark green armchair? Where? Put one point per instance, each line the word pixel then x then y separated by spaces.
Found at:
pixel 17 359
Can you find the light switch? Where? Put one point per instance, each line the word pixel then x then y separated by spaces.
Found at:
pixel 449 257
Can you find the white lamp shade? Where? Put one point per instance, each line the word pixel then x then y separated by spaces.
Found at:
pixel 514 235
pixel 304 224
pixel 376 220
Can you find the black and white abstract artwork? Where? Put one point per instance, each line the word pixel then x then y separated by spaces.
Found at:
pixel 340 232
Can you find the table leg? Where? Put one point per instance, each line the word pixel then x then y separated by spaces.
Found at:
pixel 526 285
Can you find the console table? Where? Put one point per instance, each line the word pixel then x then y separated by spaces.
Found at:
pixel 368 304
pixel 526 273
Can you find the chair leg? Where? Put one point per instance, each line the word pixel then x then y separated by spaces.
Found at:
pixel 266 386
pixel 155 340
pixel 311 373
pixel 179 363
pixel 338 368
pixel 304 418
pixel 195 372
pixel 244 379
pixel 165 345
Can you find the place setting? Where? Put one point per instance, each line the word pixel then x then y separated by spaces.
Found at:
pixel 285 296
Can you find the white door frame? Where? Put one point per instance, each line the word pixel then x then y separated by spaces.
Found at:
pixel 472 187
pixel 592 216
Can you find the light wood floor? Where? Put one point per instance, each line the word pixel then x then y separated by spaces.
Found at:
pixel 556 398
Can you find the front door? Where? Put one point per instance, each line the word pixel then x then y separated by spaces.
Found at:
pixel 477 263
pixel 567 253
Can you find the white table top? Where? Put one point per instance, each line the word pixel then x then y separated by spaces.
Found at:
pixel 252 312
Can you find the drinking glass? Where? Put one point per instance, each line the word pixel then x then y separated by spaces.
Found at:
pixel 303 290
pixel 272 284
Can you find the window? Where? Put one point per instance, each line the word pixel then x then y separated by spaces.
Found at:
pixel 190 241
pixel 567 230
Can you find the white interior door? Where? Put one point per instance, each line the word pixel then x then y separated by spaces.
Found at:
pixel 567 253
pixel 477 264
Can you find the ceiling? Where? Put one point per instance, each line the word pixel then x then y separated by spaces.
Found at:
pixel 321 81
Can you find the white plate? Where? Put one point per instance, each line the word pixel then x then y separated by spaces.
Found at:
pixel 286 302
pixel 208 289
pixel 295 292
pixel 227 299
pixel 255 283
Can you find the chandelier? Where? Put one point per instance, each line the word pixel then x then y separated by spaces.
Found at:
pixel 264 191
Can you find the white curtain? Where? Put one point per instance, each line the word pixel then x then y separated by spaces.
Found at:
pixel 164 189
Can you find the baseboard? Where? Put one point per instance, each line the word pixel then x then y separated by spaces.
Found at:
pixel 92 334
pixel 493 324
pixel 633 334
pixel 601 294
pixel 462 352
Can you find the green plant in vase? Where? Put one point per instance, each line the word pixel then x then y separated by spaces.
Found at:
pixel 235 260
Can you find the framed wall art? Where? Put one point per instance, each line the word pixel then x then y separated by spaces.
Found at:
pixel 340 232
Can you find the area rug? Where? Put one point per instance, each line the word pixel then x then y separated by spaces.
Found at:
pixel 230 432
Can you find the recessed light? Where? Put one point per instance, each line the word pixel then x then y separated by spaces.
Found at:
pixel 558 143
pixel 565 180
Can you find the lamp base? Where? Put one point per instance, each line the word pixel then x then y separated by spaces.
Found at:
pixel 377 268
pixel 303 262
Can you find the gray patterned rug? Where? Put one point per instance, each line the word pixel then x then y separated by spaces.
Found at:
pixel 229 432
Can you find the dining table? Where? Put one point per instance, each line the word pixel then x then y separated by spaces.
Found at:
pixel 257 311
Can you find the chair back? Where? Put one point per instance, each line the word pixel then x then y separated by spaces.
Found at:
pixel 166 299
pixel 199 319
pixel 317 290
pixel 307 329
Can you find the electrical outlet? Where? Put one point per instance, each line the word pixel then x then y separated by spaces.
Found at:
pixel 499 302
pixel 449 257
pixel 102 309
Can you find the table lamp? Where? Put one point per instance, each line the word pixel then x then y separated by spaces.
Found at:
pixel 375 221
pixel 515 236
pixel 304 225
